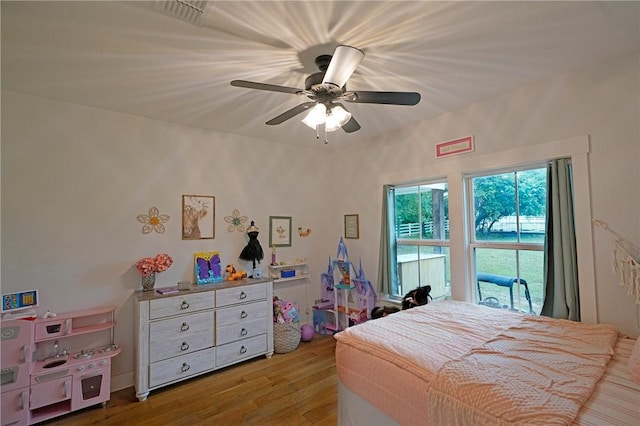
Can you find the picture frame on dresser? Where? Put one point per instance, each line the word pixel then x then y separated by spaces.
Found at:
pixel 208 267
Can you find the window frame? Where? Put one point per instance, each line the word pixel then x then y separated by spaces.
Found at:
pixel 430 242
pixel 473 243
pixel 577 148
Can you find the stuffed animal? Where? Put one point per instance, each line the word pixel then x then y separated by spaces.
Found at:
pixel 233 275
pixel 289 312
pixel 417 297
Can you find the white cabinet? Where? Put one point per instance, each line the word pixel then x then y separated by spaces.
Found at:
pixel 199 330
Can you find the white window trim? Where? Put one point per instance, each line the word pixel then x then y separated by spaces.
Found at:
pixel 455 168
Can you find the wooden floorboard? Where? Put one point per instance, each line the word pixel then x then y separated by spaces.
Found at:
pixel 296 388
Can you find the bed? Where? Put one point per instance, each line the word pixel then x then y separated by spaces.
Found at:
pixel 453 362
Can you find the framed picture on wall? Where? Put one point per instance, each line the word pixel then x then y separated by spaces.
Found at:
pixel 351 226
pixel 198 217
pixel 279 231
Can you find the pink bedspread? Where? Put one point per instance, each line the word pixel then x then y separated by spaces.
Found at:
pixel 538 372
pixel 390 361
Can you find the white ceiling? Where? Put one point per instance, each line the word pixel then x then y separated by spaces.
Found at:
pixel 136 58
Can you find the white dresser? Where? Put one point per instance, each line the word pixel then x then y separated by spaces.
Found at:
pixel 199 330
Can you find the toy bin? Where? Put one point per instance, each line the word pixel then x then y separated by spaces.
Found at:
pixel 288 273
pixel 286 337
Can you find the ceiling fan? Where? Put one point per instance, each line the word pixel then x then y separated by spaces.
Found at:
pixel 326 88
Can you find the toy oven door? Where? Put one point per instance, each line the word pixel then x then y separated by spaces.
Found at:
pixel 15 336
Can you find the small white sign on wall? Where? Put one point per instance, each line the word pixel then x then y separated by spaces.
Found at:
pixel 458 146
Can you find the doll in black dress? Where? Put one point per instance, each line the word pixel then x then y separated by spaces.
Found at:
pixel 253 250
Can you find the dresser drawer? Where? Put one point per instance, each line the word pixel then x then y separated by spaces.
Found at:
pixel 233 332
pixel 240 350
pixel 181 367
pixel 243 313
pixel 242 294
pixel 180 335
pixel 181 304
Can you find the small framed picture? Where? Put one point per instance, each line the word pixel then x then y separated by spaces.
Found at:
pixel 279 231
pixel 198 217
pixel 351 226
pixel 208 267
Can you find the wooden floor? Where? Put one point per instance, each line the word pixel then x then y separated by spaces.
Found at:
pixel 296 388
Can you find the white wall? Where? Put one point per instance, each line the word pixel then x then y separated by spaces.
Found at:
pixel 75 178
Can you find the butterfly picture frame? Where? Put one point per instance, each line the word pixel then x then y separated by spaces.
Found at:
pixel 279 231
pixel 208 267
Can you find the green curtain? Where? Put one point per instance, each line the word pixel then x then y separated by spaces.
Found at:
pixel 561 296
pixel 387 268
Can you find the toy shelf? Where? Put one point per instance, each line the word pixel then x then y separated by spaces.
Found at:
pixel 300 272
pixel 74 323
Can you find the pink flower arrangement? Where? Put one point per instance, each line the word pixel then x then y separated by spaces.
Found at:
pixel 148 265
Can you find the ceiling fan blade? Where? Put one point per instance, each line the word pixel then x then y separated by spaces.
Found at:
pixel 290 113
pixel 264 86
pixel 344 62
pixel 391 98
pixel 351 126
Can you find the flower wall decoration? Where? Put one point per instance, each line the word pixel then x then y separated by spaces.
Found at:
pixel 235 221
pixel 153 221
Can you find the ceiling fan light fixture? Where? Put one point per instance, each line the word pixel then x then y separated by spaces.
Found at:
pixel 344 62
pixel 316 116
pixel 336 118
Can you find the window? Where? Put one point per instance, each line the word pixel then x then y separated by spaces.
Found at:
pixel 467 251
pixel 507 232
pixel 421 237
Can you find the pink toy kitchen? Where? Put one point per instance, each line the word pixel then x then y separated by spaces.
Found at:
pixel 53 364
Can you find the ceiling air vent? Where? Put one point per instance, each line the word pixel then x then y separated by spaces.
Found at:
pixel 187 10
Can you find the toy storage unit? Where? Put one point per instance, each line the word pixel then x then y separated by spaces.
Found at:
pixel 195 331
pixel 53 366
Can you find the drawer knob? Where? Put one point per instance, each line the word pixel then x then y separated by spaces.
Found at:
pixel 185 367
pixel 243 350
pixel 184 326
pixel 184 346
pixel 243 295
pixel 184 305
pixel 244 332
pixel 244 314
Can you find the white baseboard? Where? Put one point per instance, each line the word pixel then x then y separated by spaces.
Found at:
pixel 122 381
